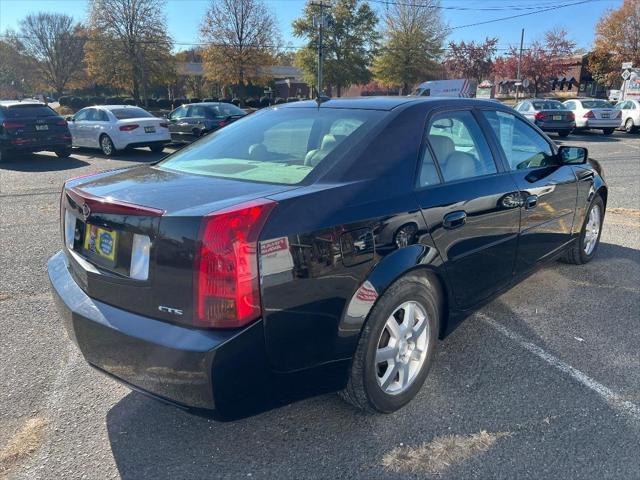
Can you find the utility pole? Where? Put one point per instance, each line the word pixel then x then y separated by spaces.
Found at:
pixel 519 80
pixel 320 23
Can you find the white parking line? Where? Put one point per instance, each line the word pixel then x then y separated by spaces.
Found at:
pixel 611 397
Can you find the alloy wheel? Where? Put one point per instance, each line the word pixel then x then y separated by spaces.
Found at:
pixel 628 125
pixel 592 230
pixel 107 146
pixel 402 348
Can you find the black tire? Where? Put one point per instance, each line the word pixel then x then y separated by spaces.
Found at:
pixel 107 146
pixel 564 133
pixel 607 131
pixel 156 148
pixel 629 127
pixel 63 153
pixel 576 254
pixel 363 390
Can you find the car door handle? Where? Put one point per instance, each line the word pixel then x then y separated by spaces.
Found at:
pixel 531 202
pixel 454 219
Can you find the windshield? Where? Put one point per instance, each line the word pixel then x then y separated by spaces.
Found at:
pixel 596 104
pixel 24 111
pixel 127 113
pixel 280 145
pixel 548 105
pixel 227 109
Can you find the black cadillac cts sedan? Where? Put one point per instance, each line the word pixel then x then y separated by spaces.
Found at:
pixel 315 247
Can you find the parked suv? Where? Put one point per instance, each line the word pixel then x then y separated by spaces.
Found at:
pixel 32 126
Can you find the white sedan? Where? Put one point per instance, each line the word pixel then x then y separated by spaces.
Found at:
pixel 592 113
pixel 630 115
pixel 116 127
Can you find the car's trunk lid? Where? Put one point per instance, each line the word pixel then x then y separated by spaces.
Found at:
pixel 135 234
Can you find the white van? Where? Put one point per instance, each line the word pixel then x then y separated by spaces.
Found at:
pixel 446 88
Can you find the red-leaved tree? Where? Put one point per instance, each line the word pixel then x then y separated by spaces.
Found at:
pixel 471 60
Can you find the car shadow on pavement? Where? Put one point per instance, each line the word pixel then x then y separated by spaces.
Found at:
pixel 139 155
pixel 42 163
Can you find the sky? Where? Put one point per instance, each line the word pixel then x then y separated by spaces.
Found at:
pixel 184 17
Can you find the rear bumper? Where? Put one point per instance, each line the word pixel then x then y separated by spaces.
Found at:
pixel 605 123
pixel 556 126
pixel 35 145
pixel 152 143
pixel 200 369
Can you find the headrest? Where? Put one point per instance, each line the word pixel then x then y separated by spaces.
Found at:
pixel 257 150
pixel 442 146
pixel 460 165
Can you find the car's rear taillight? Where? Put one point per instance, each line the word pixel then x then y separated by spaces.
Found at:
pixel 11 125
pixel 128 128
pixel 164 125
pixel 226 282
pixel 571 116
pixel 62 123
pixel 619 114
pixel 540 116
pixel 589 114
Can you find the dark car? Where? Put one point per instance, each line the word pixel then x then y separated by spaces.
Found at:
pixel 315 247
pixel 548 114
pixel 190 122
pixel 30 126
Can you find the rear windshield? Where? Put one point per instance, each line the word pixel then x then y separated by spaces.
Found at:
pixel 226 110
pixel 24 111
pixel 596 104
pixel 127 113
pixel 281 145
pixel 548 105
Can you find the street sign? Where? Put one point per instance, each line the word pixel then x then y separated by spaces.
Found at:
pixel 626 74
pixel 626 65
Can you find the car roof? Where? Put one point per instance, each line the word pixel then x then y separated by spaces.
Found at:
pixel 111 107
pixel 383 102
pixel 12 103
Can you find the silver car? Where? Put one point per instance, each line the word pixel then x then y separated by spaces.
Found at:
pixel 548 114
pixel 593 113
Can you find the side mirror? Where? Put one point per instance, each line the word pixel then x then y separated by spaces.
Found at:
pixel 573 155
pixel 69 118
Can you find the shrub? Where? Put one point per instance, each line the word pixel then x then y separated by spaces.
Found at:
pixel 65 101
pixel 164 103
pixel 113 101
pixel 129 101
pixel 225 100
pixel 279 101
pixel 264 102
pixel 96 101
pixel 250 102
pixel 236 101
pixel 179 101
pixel 152 103
pixel 77 103
pixel 195 100
pixel 64 111
pixel 211 99
pixel 292 99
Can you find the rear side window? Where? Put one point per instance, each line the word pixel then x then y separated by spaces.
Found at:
pixel 459 146
pixel 25 111
pixel 281 145
pixel 522 145
pixel 596 104
pixel 127 113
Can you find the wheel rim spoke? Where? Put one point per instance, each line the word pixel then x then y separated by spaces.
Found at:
pixel 405 373
pixel 389 376
pixel 386 353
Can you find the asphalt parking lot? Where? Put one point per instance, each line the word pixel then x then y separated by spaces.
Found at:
pixel 550 370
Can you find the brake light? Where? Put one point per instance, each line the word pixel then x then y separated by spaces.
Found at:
pixel 619 114
pixel 110 205
pixel 8 124
pixel 571 116
pixel 128 128
pixel 226 283
pixel 164 125
pixel 589 114
pixel 62 123
pixel 540 116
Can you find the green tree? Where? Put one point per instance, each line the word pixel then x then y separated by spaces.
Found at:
pixel 413 37
pixel 349 42
pixel 617 40
pixel 128 46
pixel 56 44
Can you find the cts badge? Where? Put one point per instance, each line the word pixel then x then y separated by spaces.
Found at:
pixel 172 311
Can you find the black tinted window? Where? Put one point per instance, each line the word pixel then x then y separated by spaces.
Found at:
pixel 24 111
pixel 127 113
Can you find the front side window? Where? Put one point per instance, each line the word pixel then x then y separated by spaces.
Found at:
pixel 179 113
pixel 522 145
pixel 282 145
pixel 459 146
pixel 82 115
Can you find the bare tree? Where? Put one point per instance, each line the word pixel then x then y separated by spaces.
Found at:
pixel 242 37
pixel 56 43
pixel 129 45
